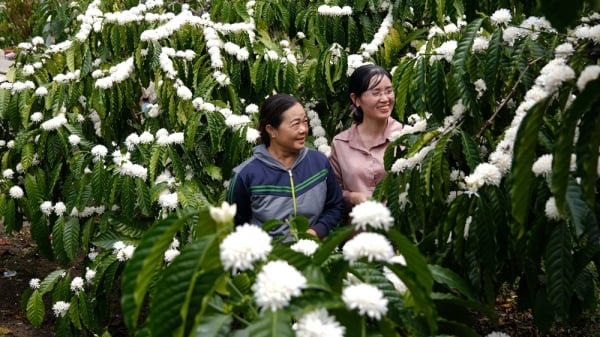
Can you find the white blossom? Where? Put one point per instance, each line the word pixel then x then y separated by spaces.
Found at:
pixel 16 192
pixel 34 283
pixel 171 254
pixel 367 299
pixel 223 214
pixel 77 284
pixel 373 246
pixel 318 323
pixel 46 208
pixel 543 165
pixel 588 74
pixel 248 244
pixel 60 208
pixel 252 135
pixel 8 174
pixel 60 308
pixel 168 201
pixel 54 123
pixel 74 139
pixel 484 174
pixel 89 274
pixel 480 44
pixel 551 210
pixel 371 213
pixel 501 16
pixel 305 246
pixel 36 117
pixel 276 284
pixel 497 334
pixel 392 277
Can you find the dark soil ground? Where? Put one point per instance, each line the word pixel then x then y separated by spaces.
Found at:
pixel 19 263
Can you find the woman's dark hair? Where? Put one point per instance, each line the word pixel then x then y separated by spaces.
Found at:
pixel 360 81
pixel 270 113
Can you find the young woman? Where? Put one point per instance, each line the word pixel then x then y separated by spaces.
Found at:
pixel 357 153
pixel 283 178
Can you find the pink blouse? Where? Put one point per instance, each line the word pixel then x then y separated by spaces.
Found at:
pixel 359 169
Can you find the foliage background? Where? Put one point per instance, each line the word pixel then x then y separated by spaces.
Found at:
pixel 510 239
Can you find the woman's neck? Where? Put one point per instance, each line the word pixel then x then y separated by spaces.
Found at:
pixel 371 128
pixel 286 158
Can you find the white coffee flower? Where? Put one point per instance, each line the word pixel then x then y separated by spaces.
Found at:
pixel 497 334
pixel 500 16
pixel 590 73
pixel 77 284
pixel 99 151
pixel 74 139
pixel 318 323
pixel 551 210
pixel 36 117
pixel 46 207
pixel 373 246
pixel 305 246
pixel 171 254
pixel 89 274
pixel 61 308
pixel 34 283
pixel 248 244
pixel 392 277
pixel 371 213
pixel 8 174
pixel 252 135
pixel 223 214
pixel 60 208
pixel 367 299
pixel 543 165
pixel 16 192
pixel 276 284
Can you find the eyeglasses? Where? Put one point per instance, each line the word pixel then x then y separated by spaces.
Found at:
pixel 378 93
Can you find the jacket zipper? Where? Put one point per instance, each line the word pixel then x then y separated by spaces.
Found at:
pixel 293 192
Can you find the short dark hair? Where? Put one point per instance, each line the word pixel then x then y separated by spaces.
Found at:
pixel 359 83
pixel 271 111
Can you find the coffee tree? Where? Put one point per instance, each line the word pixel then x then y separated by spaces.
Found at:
pixel 118 143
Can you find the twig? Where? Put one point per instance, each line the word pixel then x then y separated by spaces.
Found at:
pixel 512 92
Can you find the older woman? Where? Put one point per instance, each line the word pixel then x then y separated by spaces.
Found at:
pixel 283 178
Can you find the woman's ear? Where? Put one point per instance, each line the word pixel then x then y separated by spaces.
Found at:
pixel 353 98
pixel 270 130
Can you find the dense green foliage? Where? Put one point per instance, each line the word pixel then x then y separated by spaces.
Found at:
pixel 88 167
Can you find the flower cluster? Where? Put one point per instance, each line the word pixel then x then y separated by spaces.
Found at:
pixel 372 246
pixel 371 214
pixel 305 246
pixel 248 244
pixel 318 323
pixel 334 10
pixel 276 284
pixel 61 308
pixel 124 252
pixel 367 299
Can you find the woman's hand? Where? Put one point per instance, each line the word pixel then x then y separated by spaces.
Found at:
pixel 358 198
pixel 312 232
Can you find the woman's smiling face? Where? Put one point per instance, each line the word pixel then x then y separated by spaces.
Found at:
pixel 378 101
pixel 291 134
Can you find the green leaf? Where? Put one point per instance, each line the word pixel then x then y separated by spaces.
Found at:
pixel 470 150
pixel 193 273
pixel 559 270
pixel 561 156
pixel 35 309
pixel 214 325
pixel 50 280
pixel 524 155
pixel 452 280
pixel 71 231
pixel 582 215
pixel 271 324
pixel 140 269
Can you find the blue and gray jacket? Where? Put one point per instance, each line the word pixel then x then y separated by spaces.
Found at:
pixel 263 190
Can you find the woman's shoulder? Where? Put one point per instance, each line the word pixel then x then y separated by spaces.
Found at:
pixel 344 135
